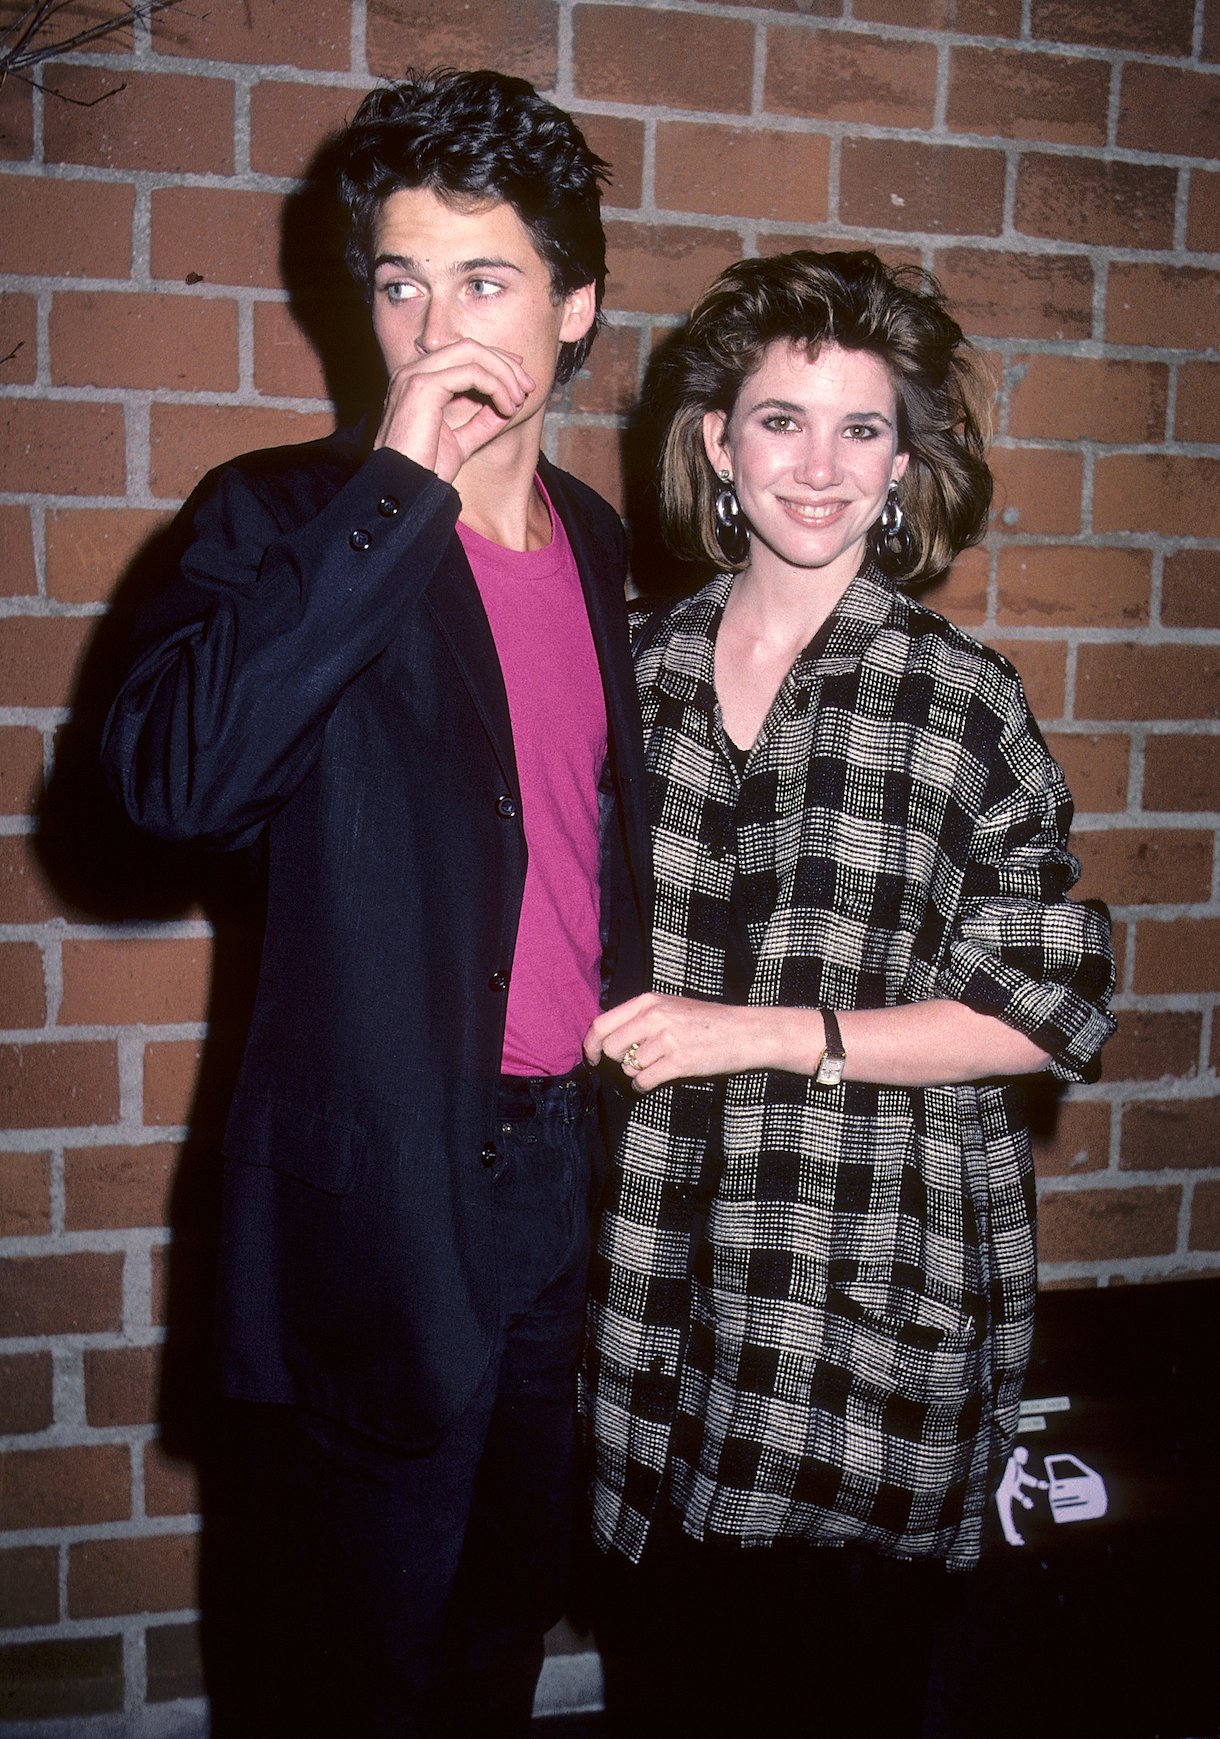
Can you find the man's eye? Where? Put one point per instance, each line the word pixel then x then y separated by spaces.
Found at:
pixel 484 287
pixel 397 291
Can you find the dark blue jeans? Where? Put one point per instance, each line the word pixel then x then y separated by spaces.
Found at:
pixel 409 1594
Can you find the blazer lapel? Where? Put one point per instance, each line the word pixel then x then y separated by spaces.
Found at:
pixel 453 598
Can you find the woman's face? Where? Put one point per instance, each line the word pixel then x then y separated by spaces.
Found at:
pixel 812 448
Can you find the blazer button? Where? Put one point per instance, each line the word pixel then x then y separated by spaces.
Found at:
pixel 360 540
pixel 387 507
pixel 488 1155
pixel 506 807
pixel 498 981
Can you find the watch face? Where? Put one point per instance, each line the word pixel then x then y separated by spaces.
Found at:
pixel 830 1070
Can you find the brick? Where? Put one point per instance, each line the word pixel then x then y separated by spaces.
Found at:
pixel 25 1195
pixel 171 1483
pixel 25 894
pixel 16 121
pixel 170 1070
pixel 1176 495
pixel 1203 212
pixel 1018 95
pixel 23 1001
pixel 222 236
pixel 675 60
pixel 181 343
pixel 970 17
pixel 29 1586
pixel 1052 585
pixel 868 80
pixel 610 380
pixel 1177 307
pixel 1190 589
pixel 890 184
pixel 1152 1046
pixel 1143 866
pixel 157 121
pixel 70 229
pixel 115 1187
pixel 109 1577
pixel 188 440
pixel 1037 490
pixel 1107 1225
pixel 1146 682
pixel 1095 767
pixel 1198 408
pixel 288 123
pixel 121 1385
pixel 78 1293
pixel 39 658
pixel 88 548
pixel 173 1659
pixel 261 32
pixel 1182 773
pixel 662 269
pixel 1096 202
pixel 286 364
pixel 154 981
pixel 1077 398
pixel 51 1086
pixel 1043 668
pixel 620 142
pixel 81 1676
pixel 521 39
pixel 1178 957
pixel 20 773
pixel 1007 295
pixel 1205 1216
pixel 1171 109
pixel 1077 1141
pixel 61 449
pixel 26 1401
pixel 962 594
pixel 65 1487
pixel 18 340
pixel 1211 31
pixel 594 454
pixel 742 172
pixel 1169 1134
pixel 18 578
pixel 1132 25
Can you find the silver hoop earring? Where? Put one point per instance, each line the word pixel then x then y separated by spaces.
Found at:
pixel 732 532
pixel 891 534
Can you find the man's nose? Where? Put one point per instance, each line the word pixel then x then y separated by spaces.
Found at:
pixel 438 327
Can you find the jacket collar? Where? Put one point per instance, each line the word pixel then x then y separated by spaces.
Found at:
pixel 688 667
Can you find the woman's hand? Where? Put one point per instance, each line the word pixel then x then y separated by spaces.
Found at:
pixel 656 1038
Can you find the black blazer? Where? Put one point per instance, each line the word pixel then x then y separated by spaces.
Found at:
pixel 320 675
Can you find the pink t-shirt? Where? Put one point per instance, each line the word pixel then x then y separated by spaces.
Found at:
pixel 536 608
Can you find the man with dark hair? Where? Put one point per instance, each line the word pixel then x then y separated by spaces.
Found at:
pixel 396 662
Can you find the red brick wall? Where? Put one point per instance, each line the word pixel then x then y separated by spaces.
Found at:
pixel 1048 159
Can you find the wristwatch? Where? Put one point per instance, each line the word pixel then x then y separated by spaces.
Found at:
pixel 833 1058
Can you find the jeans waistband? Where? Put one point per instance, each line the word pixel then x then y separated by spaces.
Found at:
pixel 569 1096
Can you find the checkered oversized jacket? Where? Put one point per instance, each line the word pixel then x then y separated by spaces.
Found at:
pixel 812 1307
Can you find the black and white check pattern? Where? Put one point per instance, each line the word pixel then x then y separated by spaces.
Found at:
pixel 844 1359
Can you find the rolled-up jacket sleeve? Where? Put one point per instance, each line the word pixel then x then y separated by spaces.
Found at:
pixel 1021 949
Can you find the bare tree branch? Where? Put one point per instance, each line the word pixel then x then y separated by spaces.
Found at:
pixel 29 45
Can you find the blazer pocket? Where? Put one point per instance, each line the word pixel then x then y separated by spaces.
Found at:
pixel 320 1151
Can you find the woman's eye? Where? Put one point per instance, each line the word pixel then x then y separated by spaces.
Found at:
pixel 861 432
pixel 779 423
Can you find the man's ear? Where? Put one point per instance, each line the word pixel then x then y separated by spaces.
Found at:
pixel 714 426
pixel 579 313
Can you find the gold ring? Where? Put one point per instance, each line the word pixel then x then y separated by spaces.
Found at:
pixel 631 1056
